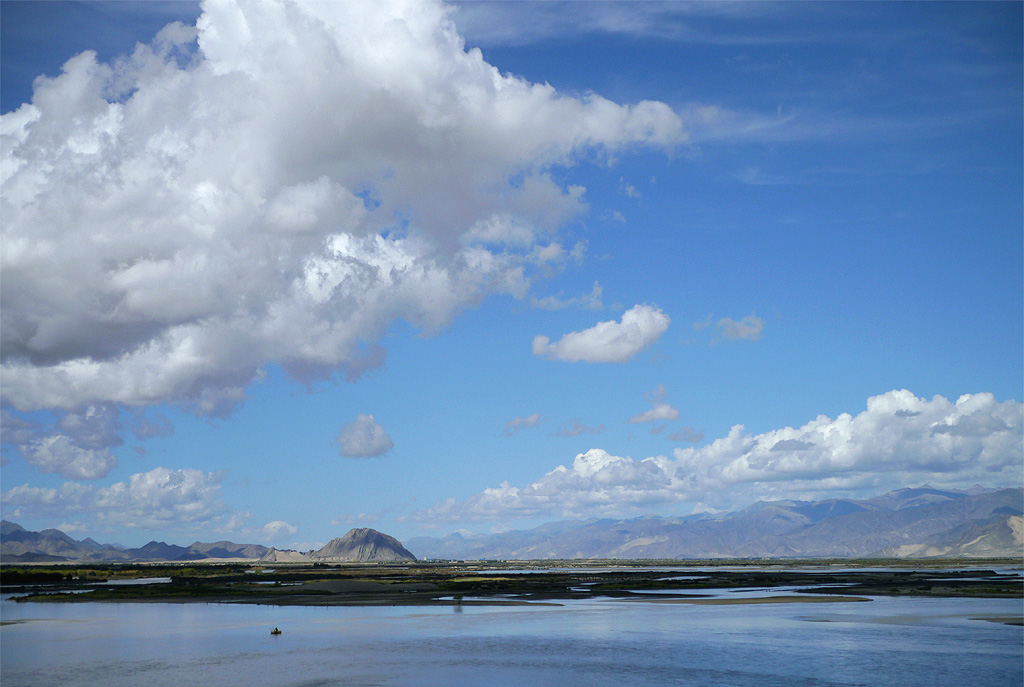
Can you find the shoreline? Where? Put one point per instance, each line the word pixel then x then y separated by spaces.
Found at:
pixel 459 584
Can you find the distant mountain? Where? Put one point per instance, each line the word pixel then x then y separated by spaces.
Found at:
pixel 905 523
pixel 21 545
pixel 225 549
pixel 915 523
pixel 361 545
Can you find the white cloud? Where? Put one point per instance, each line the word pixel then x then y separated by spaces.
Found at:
pixel 660 411
pixel 160 498
pixel 749 328
pixel 58 454
pixel 364 438
pixel 146 426
pixel 597 483
pixel 95 427
pixel 688 434
pixel 509 23
pixel 306 546
pixel 607 342
pixel 77 448
pixel 277 191
pixel 359 519
pixel 516 424
pixel 277 529
pixel 591 301
pixel 898 440
pixel 574 427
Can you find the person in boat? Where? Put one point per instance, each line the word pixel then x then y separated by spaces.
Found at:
pixel 275 631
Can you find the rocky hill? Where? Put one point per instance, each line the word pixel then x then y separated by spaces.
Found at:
pixel 364 545
pixel 361 545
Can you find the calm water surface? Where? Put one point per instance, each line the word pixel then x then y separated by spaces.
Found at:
pixel 904 641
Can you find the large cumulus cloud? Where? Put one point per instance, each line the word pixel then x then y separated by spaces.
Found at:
pixel 276 184
pixel 155 499
pixel 898 440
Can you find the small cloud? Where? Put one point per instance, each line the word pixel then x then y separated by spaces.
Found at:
pixel 364 438
pixel 519 423
pixel 628 190
pixel 661 410
pixel 658 395
pixel 688 434
pixel 591 301
pixel 144 426
pixel 703 324
pixel 754 176
pixel 348 520
pixel 71 527
pixel 749 328
pixel 278 529
pixel 574 428
pixel 607 342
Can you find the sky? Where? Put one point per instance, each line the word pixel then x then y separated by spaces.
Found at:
pixel 270 271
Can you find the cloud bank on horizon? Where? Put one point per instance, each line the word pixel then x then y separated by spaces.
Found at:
pixel 282 184
pixel 900 439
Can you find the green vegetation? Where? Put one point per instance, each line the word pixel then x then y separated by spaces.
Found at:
pixel 490 582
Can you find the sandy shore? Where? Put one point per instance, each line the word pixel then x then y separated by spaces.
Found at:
pixel 789 599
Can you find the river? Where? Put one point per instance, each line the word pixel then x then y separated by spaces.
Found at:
pixel 930 642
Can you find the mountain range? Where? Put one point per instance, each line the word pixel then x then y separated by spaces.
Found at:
pixel 51 546
pixel 908 523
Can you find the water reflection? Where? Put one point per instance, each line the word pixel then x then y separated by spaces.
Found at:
pixel 906 641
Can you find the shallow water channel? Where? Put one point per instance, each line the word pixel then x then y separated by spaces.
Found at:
pixel 888 640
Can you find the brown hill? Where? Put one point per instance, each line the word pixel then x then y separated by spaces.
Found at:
pixel 363 545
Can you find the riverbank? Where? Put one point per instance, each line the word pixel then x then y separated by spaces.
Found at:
pixel 500 584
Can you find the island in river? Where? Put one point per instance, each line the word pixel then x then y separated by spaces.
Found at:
pixel 516 583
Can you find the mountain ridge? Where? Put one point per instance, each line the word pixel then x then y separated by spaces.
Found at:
pixel 18 545
pixel 917 522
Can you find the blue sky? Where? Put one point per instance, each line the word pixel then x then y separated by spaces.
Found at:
pixel 293 269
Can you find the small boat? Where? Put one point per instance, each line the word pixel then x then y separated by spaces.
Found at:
pixel 275 631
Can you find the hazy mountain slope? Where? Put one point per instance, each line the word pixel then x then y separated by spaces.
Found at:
pixel 17 543
pixel 998 536
pixel 225 549
pixel 907 522
pixel 903 522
